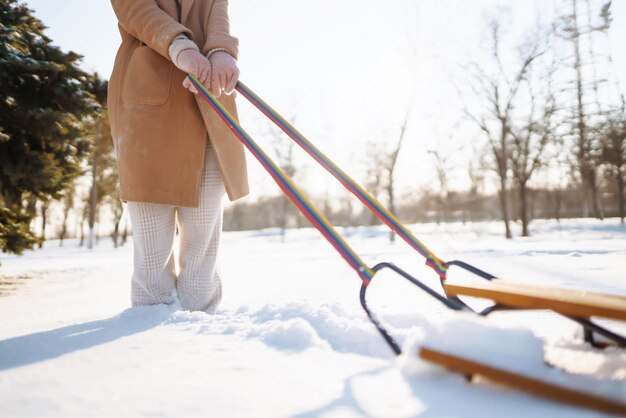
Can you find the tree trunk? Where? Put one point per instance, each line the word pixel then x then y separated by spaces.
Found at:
pixel 31 206
pixel 94 189
pixel 557 205
pixel 66 212
pixel 284 206
pixel 392 205
pixel 118 212
pixel 125 232
pixel 620 195
pixel 597 204
pixel 523 213
pixel 44 221
pixel 504 208
pixel 63 232
pixel 82 232
pixel 116 233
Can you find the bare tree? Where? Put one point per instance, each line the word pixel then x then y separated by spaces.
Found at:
pixel 499 90
pixel 375 173
pixel 390 167
pixel 381 167
pixel 475 174
pixel 586 138
pixel 283 148
pixel 530 140
pixel 103 173
pixel 442 169
pixel 614 155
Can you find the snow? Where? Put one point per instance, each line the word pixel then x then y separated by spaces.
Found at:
pixel 290 338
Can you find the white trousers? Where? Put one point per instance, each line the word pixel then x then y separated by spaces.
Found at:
pixel 197 283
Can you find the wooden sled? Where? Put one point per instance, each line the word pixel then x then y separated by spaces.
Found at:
pixel 577 305
pixel 523 383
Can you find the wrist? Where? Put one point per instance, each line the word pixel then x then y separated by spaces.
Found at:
pixel 179 44
pixel 214 50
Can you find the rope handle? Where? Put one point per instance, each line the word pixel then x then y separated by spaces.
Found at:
pixel 366 198
pixel 314 216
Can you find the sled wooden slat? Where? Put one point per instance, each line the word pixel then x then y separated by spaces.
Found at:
pixel 578 303
pixel 523 383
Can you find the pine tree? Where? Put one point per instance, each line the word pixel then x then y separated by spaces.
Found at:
pixel 44 99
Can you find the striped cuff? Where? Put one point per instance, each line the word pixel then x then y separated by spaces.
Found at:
pixel 180 44
pixel 214 50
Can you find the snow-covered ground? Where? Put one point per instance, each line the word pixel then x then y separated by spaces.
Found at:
pixel 290 338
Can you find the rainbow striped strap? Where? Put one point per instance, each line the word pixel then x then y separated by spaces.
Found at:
pixel 367 199
pixel 289 188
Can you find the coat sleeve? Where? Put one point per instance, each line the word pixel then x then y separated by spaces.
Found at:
pixel 218 31
pixel 144 20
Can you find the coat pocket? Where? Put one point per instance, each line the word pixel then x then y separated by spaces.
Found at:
pixel 148 79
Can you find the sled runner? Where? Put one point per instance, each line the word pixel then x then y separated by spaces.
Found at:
pixel 578 308
pixel 528 384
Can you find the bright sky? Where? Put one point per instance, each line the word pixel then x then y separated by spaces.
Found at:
pixel 345 70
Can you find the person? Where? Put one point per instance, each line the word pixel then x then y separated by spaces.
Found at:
pixel 175 157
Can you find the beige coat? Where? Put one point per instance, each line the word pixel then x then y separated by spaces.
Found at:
pixel 159 128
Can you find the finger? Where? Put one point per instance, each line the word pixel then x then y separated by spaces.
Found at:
pixel 189 86
pixel 215 84
pixel 232 83
pixel 223 80
pixel 194 71
pixel 206 81
pixel 206 77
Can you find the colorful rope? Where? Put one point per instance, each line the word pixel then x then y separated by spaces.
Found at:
pixel 368 200
pixel 289 188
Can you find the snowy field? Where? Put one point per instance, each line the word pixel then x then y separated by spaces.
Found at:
pixel 290 338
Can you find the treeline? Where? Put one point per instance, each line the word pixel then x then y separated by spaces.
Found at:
pixel 426 206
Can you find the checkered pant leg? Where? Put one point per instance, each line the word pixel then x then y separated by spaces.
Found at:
pixel 154 275
pixel 199 286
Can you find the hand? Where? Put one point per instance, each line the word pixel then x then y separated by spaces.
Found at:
pixel 193 62
pixel 225 73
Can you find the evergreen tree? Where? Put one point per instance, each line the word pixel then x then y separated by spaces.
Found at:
pixel 43 99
